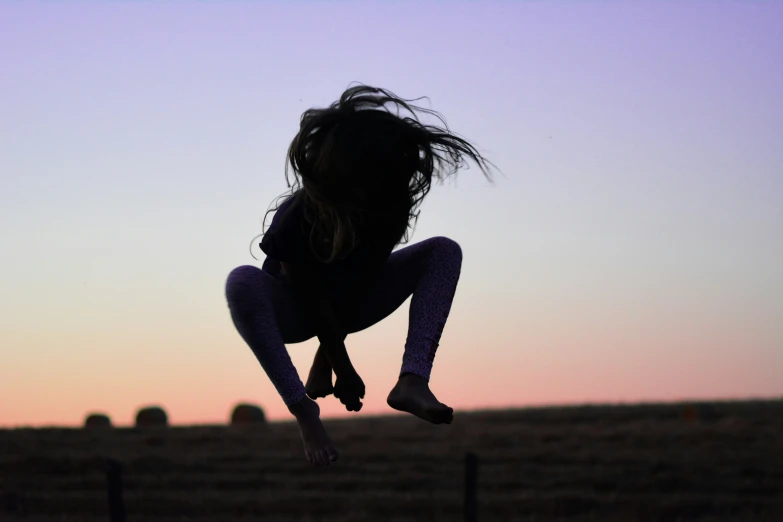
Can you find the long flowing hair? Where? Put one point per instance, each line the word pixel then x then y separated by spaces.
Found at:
pixel 359 166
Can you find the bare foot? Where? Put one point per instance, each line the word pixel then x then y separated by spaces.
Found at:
pixel 317 445
pixel 412 394
pixel 319 381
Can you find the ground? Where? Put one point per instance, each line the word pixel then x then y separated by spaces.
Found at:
pixel 632 463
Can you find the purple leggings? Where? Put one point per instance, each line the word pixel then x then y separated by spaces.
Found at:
pixel 268 314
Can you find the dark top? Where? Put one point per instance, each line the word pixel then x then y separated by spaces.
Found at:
pixel 288 240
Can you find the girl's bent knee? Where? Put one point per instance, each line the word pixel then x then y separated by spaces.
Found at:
pixel 242 283
pixel 448 246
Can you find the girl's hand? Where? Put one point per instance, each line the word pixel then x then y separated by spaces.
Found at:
pixel 349 388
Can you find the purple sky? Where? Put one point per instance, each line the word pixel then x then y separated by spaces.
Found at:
pixel 631 250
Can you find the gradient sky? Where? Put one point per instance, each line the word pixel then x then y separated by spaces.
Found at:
pixel 632 249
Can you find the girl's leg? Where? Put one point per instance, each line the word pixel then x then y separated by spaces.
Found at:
pixel 430 271
pixel 264 312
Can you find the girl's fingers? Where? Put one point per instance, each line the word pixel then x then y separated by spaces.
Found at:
pixel 354 406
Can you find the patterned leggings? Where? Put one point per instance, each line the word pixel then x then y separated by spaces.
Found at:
pixel 268 314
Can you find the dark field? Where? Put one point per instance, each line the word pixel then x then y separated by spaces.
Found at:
pixel 622 463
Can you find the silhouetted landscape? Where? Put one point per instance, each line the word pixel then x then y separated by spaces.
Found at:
pixel 716 461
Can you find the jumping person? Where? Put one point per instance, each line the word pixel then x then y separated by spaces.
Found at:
pixel 330 270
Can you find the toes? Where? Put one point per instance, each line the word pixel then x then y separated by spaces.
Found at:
pixel 333 455
pixel 323 458
pixel 442 415
pixel 448 416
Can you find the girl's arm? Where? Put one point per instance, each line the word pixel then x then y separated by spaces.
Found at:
pixel 330 332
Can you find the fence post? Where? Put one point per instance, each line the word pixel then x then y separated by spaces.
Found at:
pixel 471 485
pixel 114 485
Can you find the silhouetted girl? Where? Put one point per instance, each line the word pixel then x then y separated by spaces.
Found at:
pixel 330 270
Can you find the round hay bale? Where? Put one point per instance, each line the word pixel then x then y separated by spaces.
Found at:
pixel 248 415
pixel 152 417
pixel 97 420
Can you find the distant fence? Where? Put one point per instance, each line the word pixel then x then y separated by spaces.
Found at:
pixel 117 505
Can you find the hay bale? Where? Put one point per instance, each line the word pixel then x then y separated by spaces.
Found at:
pixel 97 420
pixel 151 417
pixel 248 415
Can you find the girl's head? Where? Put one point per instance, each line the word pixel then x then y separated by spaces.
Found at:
pixel 360 164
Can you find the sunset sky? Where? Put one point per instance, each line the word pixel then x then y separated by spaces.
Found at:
pixel 631 249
